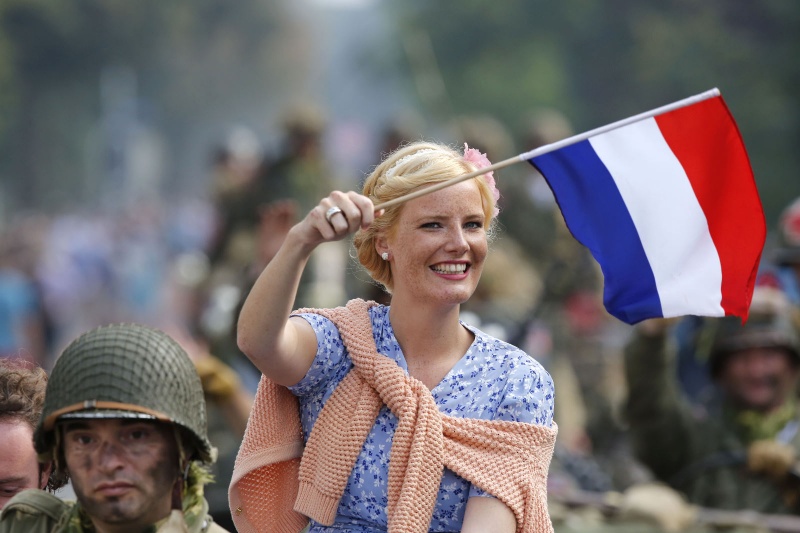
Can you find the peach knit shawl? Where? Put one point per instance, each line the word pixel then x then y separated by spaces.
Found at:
pixel 276 484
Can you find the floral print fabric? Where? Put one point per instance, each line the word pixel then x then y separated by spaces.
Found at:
pixel 493 381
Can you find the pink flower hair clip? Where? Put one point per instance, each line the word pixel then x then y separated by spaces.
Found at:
pixel 474 156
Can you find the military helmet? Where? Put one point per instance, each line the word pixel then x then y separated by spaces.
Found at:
pixel 125 371
pixel 788 250
pixel 772 323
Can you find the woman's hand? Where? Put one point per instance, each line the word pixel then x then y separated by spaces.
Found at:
pixel 335 217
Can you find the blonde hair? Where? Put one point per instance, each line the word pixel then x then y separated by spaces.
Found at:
pixel 406 169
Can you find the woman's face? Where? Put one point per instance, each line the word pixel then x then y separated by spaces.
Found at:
pixel 438 246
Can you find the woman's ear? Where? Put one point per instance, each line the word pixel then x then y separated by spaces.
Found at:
pixel 381 245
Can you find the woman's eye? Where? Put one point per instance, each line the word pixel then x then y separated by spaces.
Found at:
pixel 431 225
pixel 473 225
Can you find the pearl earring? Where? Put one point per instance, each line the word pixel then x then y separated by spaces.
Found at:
pixel 385 256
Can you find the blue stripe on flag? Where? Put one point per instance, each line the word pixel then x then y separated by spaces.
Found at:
pixel 598 218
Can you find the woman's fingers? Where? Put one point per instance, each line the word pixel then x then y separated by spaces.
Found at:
pixel 344 213
pixel 365 207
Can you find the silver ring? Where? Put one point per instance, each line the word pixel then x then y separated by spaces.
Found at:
pixel 332 211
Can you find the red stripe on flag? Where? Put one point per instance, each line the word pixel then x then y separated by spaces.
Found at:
pixel 706 141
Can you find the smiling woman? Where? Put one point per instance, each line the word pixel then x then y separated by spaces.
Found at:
pixel 409 381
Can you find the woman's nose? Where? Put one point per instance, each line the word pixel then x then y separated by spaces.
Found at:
pixel 457 241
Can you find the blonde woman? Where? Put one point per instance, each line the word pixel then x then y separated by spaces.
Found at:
pixel 409 419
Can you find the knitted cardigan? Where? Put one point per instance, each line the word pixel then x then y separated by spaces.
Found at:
pixel 276 484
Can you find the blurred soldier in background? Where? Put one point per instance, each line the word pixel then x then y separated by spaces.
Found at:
pixel 299 170
pixel 786 259
pixel 743 454
pixel 22 386
pixel 234 164
pixel 228 401
pixel 124 418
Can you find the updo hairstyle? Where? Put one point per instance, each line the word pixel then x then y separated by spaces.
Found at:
pixel 403 171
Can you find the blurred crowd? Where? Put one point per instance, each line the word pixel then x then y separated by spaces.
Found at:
pixel 186 265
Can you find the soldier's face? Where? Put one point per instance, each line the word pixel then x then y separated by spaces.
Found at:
pixel 759 378
pixel 123 471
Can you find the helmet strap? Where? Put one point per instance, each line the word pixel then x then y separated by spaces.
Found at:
pixel 183 468
pixel 56 451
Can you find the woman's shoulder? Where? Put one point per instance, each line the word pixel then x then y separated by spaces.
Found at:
pixel 317 317
pixel 500 349
pixel 520 385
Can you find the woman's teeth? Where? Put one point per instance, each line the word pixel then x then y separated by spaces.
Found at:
pixel 450 268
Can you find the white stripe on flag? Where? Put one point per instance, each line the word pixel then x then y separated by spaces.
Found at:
pixel 671 225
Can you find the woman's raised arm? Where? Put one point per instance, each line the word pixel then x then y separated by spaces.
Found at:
pixel 282 348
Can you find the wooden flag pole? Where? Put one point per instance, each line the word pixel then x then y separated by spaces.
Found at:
pixel 551 147
pixel 441 185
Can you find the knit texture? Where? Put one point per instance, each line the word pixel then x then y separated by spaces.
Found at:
pixel 272 489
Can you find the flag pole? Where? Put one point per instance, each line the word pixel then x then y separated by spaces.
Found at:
pixel 551 147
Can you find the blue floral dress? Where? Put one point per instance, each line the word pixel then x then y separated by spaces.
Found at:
pixel 492 381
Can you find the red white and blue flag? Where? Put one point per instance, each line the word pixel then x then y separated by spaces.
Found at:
pixel 668 206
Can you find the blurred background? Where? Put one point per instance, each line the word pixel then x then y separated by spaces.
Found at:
pixel 129 129
pixel 152 153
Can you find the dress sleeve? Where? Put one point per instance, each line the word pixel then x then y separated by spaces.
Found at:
pixel 529 394
pixel 331 358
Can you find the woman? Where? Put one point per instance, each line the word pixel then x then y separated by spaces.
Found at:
pixel 417 357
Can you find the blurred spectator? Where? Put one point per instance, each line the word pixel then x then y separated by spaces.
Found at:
pixel 23 319
pixel 402 129
pixel 531 213
pixel 228 403
pixel 234 164
pixel 299 170
pixel 779 269
pixel 744 453
pixel 786 260
pixel 22 387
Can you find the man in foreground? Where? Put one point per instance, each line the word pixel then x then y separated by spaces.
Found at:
pixel 125 418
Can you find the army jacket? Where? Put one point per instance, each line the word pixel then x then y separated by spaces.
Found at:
pixel 37 511
pixel 702 456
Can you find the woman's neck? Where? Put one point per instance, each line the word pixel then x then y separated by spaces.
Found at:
pixel 432 339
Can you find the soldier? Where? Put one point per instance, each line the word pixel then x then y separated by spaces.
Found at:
pixel 743 454
pixel 125 418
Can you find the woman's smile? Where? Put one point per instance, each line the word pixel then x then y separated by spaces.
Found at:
pixel 456 270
